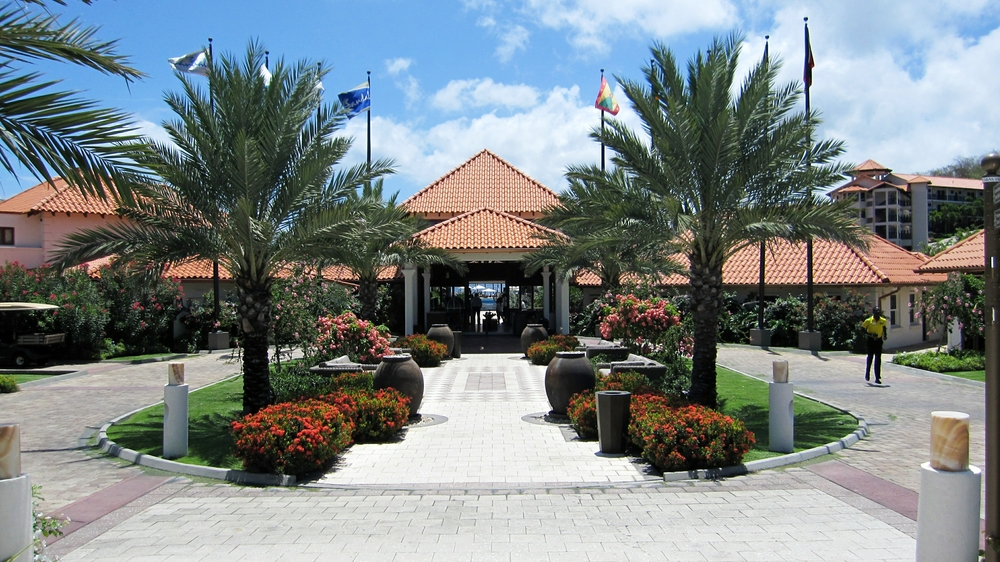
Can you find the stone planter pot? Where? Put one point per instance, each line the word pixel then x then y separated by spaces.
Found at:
pixel 441 333
pixel 568 373
pixel 402 373
pixel 611 352
pixel 531 334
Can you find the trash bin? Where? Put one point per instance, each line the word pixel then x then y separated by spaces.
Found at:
pixel 456 352
pixel 612 420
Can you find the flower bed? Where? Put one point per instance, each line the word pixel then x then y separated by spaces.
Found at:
pixel 361 340
pixel 582 409
pixel 425 351
pixel 542 352
pixel 377 415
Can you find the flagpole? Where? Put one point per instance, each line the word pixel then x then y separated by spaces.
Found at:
pixel 602 128
pixel 369 120
pixel 216 284
pixel 760 288
pixel 809 193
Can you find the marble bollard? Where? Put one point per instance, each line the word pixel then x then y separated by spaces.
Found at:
pixel 779 371
pixel 175 373
pixel 10 451
pixel 949 441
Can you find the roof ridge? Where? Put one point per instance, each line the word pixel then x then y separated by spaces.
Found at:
pixel 447 174
pixel 870 264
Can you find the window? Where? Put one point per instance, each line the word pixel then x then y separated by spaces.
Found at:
pixel 893 306
pixel 893 216
pixel 892 197
pixel 893 232
pixel 6 236
pixel 880 215
pixel 864 213
pixel 905 233
pixel 880 230
pixel 913 308
pixel 861 196
pixel 879 198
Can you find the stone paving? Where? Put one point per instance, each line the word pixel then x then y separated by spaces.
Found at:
pixel 487 485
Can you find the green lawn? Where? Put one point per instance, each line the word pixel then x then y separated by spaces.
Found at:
pixel 746 398
pixel 209 412
pixel 26 377
pixel 971 375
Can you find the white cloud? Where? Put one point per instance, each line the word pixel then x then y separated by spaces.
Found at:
pixel 153 131
pixel 512 39
pixel 397 65
pixel 461 94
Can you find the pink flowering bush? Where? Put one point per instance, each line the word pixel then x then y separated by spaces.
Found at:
pixel 640 324
pixel 346 334
pixel 960 298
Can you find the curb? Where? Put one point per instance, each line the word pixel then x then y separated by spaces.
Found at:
pixel 149 359
pixel 775 462
pixel 237 476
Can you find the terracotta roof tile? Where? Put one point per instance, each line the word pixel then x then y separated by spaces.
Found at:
pixel 870 166
pixel 941 181
pixel 484 229
pixel 202 270
pixel 968 256
pixel 483 181
pixel 59 197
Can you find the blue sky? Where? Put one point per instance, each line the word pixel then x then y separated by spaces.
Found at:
pixel 909 84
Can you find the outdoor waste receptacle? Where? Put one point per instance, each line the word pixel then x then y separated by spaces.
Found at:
pixel 456 353
pixel 612 420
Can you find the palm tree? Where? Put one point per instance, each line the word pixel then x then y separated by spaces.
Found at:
pixel 55 133
pixel 250 181
pixel 730 166
pixel 598 229
pixel 382 237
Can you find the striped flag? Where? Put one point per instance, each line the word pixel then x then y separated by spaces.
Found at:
pixel 356 100
pixel 807 70
pixel 191 63
pixel 606 101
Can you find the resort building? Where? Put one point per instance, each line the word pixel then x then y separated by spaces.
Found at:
pixel 897 207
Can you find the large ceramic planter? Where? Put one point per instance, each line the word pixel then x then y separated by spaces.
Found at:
pixel 568 373
pixel 531 334
pixel 402 373
pixel 441 333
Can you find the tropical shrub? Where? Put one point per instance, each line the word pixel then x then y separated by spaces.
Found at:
pixel 961 298
pixel 346 334
pixel 199 321
pixel 567 341
pixel 943 362
pixel 362 380
pixel 142 305
pixel 582 413
pixel 839 320
pixel 291 438
pixel 293 381
pixel 543 352
pixel 8 384
pixel 379 414
pixel 639 323
pixel 426 352
pixel 629 381
pixel 687 437
pixel 298 300
pixel 785 317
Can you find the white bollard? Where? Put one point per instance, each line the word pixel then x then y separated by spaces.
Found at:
pixel 948 506
pixel 175 413
pixel 781 410
pixel 15 498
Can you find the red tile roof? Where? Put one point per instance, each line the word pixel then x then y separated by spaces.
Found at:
pixel 202 270
pixel 942 181
pixel 834 264
pixel 59 197
pixel 870 166
pixel 483 181
pixel 484 229
pixel 968 256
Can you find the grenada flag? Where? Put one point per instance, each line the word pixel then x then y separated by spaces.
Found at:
pixel 606 101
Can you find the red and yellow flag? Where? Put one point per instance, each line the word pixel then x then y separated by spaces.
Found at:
pixel 606 101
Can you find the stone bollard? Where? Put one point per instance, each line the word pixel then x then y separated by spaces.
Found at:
pixel 612 420
pixel 15 498
pixel 948 507
pixel 175 413
pixel 781 406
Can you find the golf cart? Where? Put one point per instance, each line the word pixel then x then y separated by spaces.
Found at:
pixel 25 349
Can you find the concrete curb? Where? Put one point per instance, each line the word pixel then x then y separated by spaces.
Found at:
pixel 150 359
pixel 238 476
pixel 774 462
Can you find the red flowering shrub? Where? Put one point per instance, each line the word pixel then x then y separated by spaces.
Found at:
pixel 291 438
pixel 567 341
pixel 639 323
pixel 361 340
pixel 378 414
pixel 629 381
pixel 543 352
pixel 688 437
pixel 344 402
pixel 363 380
pixel 582 413
pixel 426 352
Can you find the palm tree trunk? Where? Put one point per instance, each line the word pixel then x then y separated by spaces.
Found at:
pixel 255 318
pixel 368 295
pixel 706 303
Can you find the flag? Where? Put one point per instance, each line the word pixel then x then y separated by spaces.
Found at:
pixel 191 63
pixel 606 101
pixel 356 100
pixel 265 74
pixel 807 71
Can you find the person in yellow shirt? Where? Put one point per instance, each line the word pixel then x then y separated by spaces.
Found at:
pixel 876 330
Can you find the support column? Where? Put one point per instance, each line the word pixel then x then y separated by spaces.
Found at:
pixel 410 298
pixel 562 305
pixel 427 298
pixel 546 303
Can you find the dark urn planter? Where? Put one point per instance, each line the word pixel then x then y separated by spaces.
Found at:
pixel 402 373
pixel 568 373
pixel 441 333
pixel 531 334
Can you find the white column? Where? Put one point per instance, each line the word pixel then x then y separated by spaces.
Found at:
pixel 954 335
pixel 546 275
pixel 410 297
pixel 427 298
pixel 562 305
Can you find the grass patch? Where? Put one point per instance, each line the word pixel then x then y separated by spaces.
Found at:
pixel 971 375
pixel 746 398
pixel 209 441
pixel 28 377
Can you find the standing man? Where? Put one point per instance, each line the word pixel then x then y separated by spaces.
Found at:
pixel 875 331
pixel 477 306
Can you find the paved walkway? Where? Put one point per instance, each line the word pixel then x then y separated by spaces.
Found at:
pixel 488 485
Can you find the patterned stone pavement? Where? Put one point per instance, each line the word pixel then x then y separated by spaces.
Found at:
pixel 488 485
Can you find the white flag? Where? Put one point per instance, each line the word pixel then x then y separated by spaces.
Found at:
pixel 191 63
pixel 265 74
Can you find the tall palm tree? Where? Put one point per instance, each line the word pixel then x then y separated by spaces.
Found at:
pixel 250 181
pixel 381 237
pixel 599 229
pixel 55 133
pixel 731 165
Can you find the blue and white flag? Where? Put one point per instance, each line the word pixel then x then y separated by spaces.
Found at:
pixel 191 63
pixel 356 100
